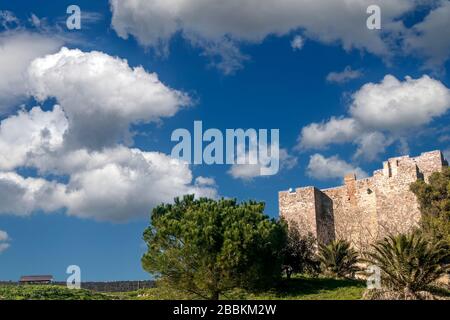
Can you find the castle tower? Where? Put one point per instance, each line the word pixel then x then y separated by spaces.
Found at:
pixel 365 210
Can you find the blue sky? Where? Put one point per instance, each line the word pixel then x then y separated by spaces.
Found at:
pixel 78 216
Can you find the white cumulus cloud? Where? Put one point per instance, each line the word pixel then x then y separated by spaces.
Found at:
pixel 114 184
pixel 206 22
pixel 82 165
pixel 372 144
pixel 101 95
pixel 221 25
pixel 29 134
pixel 381 114
pixel 322 168
pixel 17 50
pixel 335 130
pixel 23 195
pixel 121 183
pixel 429 38
pixel 397 105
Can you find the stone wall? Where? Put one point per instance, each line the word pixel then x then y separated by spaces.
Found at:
pixel 365 210
pixel 302 200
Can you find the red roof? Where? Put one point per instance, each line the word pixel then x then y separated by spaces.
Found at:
pixel 40 278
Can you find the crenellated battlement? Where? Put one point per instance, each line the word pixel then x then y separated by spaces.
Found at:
pixel 363 210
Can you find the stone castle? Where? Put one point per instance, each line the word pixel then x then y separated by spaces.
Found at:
pixel 365 210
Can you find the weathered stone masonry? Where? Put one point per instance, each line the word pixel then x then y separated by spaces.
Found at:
pixel 362 211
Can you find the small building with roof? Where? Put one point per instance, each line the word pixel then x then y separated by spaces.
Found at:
pixel 38 279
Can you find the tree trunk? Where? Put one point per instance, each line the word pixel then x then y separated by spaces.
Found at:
pixel 288 274
pixel 215 295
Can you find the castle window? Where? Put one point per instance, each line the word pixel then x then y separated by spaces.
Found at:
pixel 369 191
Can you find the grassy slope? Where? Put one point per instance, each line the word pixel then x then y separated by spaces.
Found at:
pixel 299 288
pixel 303 288
pixel 47 292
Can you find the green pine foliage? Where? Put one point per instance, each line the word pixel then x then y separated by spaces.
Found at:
pixel 205 247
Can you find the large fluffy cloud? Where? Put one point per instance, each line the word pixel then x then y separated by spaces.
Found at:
pixel 23 195
pixel 323 168
pixel 123 183
pixel 17 50
pixel 220 26
pixel 335 130
pixel 372 144
pixel 115 183
pixel 380 114
pixel 397 105
pixel 30 134
pixel 76 149
pixel 101 95
pixel 213 22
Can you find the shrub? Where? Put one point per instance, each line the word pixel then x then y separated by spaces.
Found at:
pixel 48 292
pixel 409 263
pixel 434 204
pixel 338 259
pixel 299 254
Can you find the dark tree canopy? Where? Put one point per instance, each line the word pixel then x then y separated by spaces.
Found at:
pixel 205 246
pixel 299 254
pixel 434 201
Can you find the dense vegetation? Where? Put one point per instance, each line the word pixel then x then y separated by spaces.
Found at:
pixel 207 247
pixel 299 253
pixel 47 292
pixel 434 201
pixel 410 263
pixel 298 288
